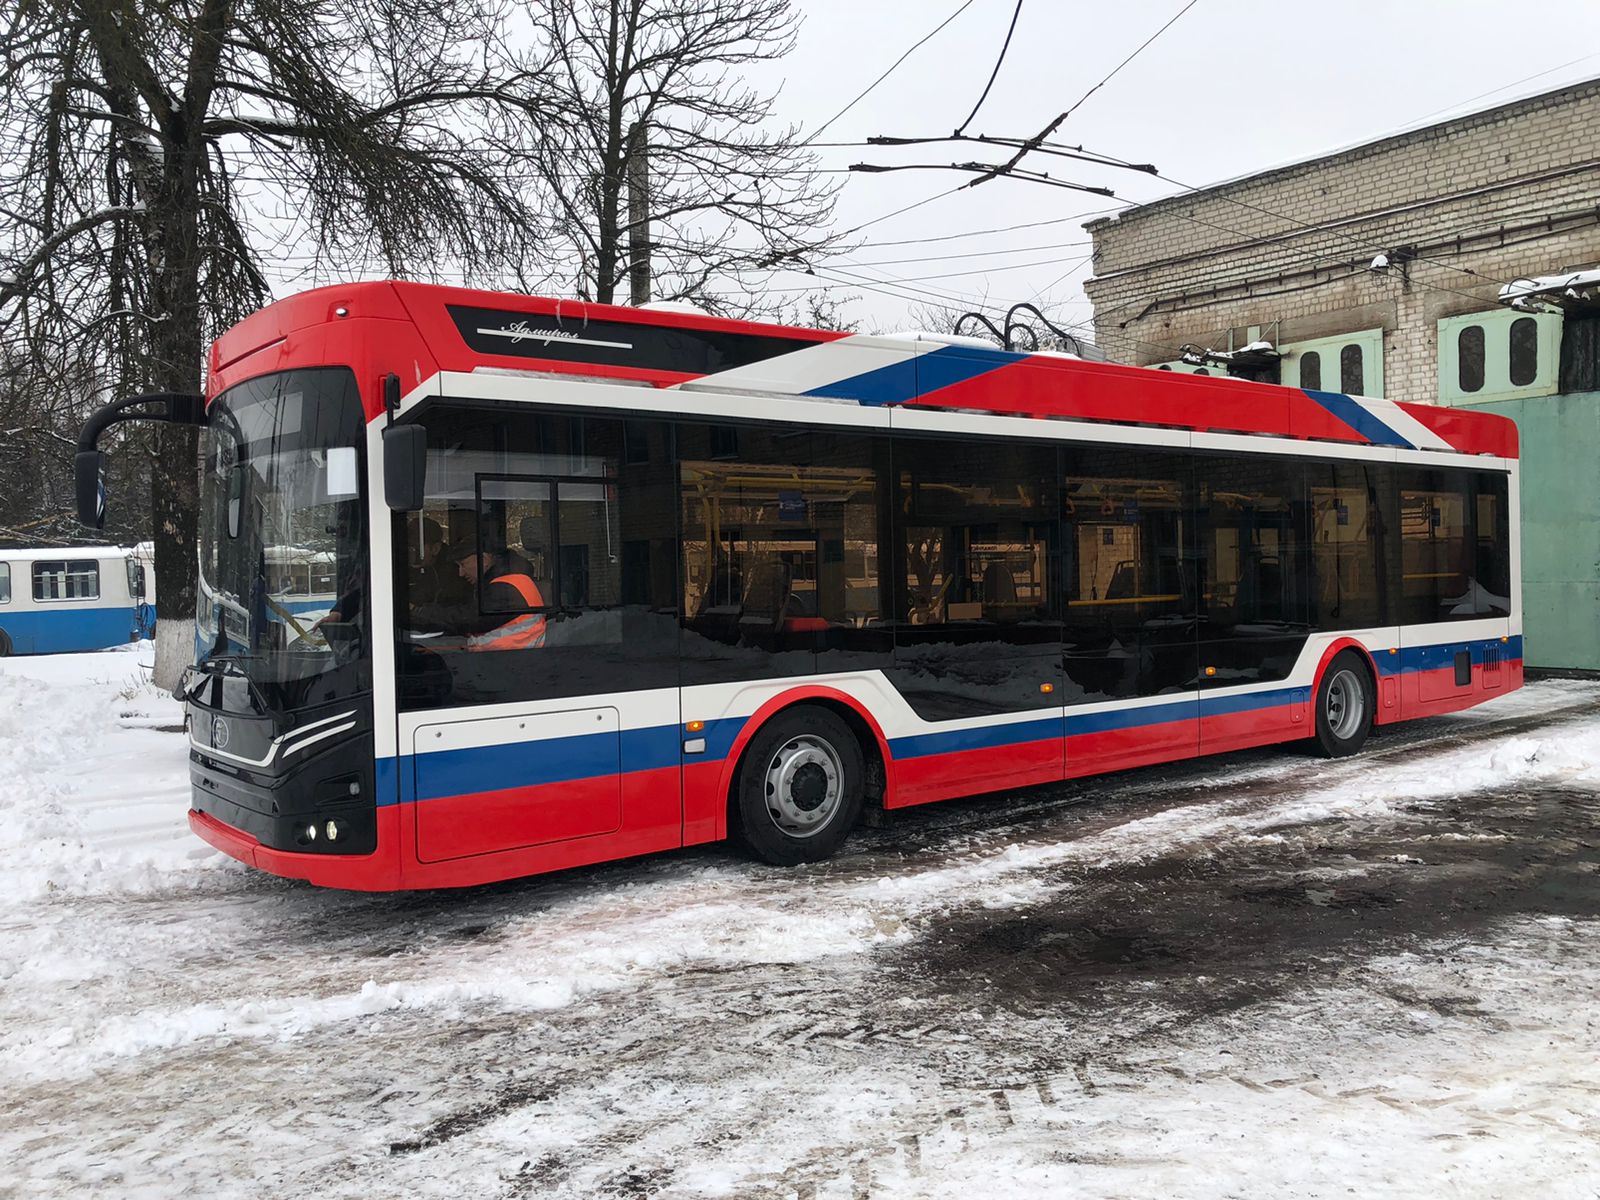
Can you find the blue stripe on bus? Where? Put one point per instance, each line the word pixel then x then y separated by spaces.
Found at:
pixel 984 737
pixel 59 631
pixel 1129 718
pixel 893 384
pixel 583 756
pixel 904 381
pixel 1359 418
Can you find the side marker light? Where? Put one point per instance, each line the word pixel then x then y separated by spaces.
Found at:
pixel 695 726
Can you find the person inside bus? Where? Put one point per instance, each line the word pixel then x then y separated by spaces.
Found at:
pixel 509 614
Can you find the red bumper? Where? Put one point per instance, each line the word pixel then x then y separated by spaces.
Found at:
pixel 377 872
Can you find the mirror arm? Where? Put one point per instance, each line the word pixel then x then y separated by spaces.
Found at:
pixel 178 408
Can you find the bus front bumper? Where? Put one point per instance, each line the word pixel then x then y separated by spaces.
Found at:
pixel 378 872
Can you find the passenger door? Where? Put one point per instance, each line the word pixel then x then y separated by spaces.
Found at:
pixel 572 737
pixel 1129 638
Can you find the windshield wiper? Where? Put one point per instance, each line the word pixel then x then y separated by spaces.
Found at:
pixel 228 665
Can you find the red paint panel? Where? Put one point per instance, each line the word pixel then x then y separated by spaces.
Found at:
pixel 1443 694
pixel 376 872
pixel 1468 430
pixel 1103 392
pixel 931 777
pixel 1308 419
pixel 705 802
pixel 514 818
pixel 1255 727
pixel 1139 746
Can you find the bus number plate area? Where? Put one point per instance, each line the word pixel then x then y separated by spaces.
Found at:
pixel 490 785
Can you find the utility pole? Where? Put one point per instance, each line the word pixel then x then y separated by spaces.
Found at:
pixel 638 173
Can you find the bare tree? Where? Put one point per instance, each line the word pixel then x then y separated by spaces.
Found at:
pixel 156 155
pixel 660 165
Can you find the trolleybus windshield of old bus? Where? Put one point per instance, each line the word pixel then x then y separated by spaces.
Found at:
pixel 492 585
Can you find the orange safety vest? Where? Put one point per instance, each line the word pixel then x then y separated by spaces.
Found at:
pixel 521 632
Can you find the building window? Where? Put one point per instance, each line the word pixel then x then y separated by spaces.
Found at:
pixel 1311 370
pixel 1524 351
pixel 1469 359
pixel 1499 355
pixel 1348 362
pixel 1351 375
pixel 79 580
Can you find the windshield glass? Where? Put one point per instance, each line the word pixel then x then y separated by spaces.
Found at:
pixel 283 537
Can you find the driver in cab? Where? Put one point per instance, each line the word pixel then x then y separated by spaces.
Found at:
pixel 508 613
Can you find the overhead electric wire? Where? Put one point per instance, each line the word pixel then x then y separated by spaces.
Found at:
pixel 892 66
pixel 1010 165
pixel 994 74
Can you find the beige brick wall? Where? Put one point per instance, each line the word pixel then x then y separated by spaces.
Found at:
pixel 1482 199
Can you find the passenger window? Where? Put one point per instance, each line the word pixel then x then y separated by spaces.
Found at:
pixel 977 604
pixel 1350 520
pixel 1130 594
pixel 1437 547
pixel 5 583
pixel 72 580
pixel 510 581
pixel 781 551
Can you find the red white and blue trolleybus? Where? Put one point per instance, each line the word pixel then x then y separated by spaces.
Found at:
pixel 599 581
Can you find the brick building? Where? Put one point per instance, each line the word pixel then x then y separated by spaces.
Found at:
pixel 1377 270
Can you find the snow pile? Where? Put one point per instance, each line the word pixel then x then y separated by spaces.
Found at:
pixel 94 792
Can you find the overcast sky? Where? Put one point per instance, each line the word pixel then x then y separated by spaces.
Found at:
pixel 1235 86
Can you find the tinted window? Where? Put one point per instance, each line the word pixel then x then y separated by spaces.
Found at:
pixel 1438 547
pixel 977 602
pixel 78 579
pixel 1311 370
pixel 1469 359
pixel 1251 526
pixel 1128 573
pixel 1524 351
pixel 511 581
pixel 1492 575
pixel 1351 518
pixel 1352 377
pixel 781 552
pixel 5 583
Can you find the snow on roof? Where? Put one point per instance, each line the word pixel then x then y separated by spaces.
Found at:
pixel 1573 287
pixel 32 553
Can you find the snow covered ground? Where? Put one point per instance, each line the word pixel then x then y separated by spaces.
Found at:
pixel 1265 975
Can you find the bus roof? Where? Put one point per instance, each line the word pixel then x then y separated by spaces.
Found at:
pixel 35 553
pixel 419 330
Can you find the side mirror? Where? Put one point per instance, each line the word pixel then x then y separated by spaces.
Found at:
pixel 89 466
pixel 405 466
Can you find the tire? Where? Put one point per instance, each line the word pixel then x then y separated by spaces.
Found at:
pixel 1346 702
pixel 798 791
pixel 5 645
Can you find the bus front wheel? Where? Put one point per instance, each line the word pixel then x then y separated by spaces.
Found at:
pixel 799 788
pixel 1346 703
pixel 5 645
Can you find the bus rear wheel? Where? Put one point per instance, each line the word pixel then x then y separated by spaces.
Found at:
pixel 5 645
pixel 799 790
pixel 1346 702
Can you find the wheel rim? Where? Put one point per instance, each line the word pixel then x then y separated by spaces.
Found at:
pixel 1346 705
pixel 804 785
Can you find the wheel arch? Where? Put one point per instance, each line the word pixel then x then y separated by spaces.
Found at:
pixel 870 735
pixel 1337 647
